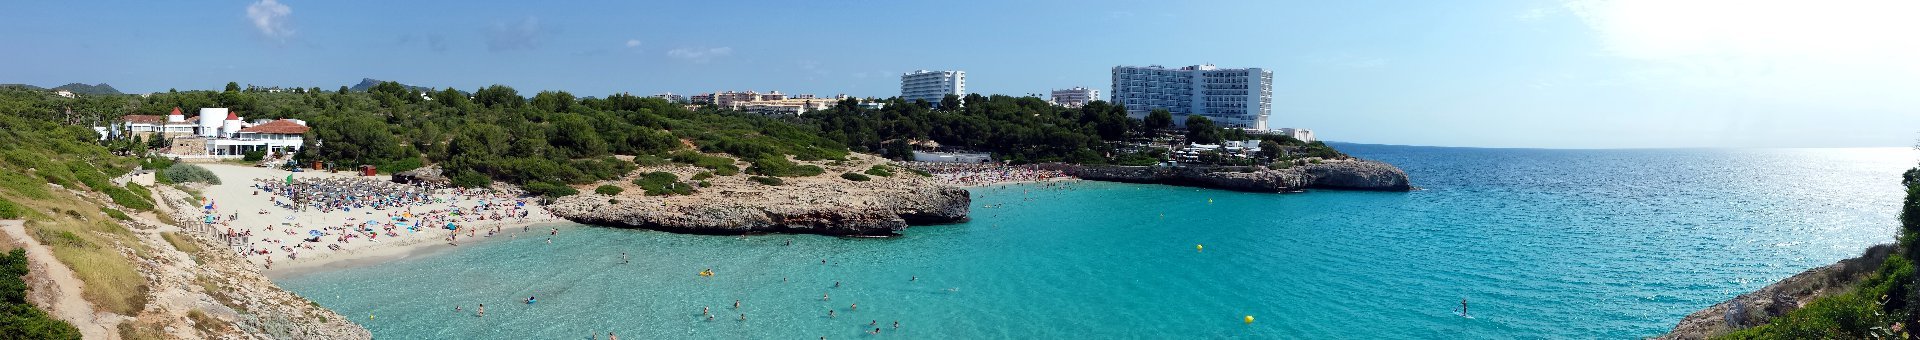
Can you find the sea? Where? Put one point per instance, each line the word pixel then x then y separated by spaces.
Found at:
pixel 1537 243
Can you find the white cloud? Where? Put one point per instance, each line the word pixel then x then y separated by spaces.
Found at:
pixel 1824 30
pixel 1533 14
pixel 1835 52
pixel 270 18
pixel 526 35
pixel 632 43
pixel 699 54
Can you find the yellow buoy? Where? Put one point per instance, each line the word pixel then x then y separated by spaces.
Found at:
pixel 1249 319
pixel 1199 248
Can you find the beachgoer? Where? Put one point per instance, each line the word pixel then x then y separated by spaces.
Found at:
pixel 873 323
pixel 856 307
pixel 836 284
pixel 743 317
pixel 623 257
pixel 1463 306
pixel 826 297
pixel 915 278
pixel 896 324
pixel 610 336
pixel 876 331
pixel 829 313
pixel 482 309
pixel 736 304
pixel 705 310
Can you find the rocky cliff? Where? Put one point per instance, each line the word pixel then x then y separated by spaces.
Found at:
pixel 823 204
pixel 1757 307
pixel 1352 174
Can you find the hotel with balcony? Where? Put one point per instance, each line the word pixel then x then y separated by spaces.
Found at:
pixel 1240 97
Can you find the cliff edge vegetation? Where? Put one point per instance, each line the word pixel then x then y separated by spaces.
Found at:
pixel 1870 297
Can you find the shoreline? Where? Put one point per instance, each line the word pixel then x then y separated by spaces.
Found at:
pixel 279 229
pixel 377 255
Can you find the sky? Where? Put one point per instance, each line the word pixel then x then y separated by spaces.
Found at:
pixel 1492 73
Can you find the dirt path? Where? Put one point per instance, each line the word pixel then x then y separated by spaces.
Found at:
pixel 65 288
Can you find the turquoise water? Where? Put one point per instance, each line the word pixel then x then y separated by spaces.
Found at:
pixel 1543 243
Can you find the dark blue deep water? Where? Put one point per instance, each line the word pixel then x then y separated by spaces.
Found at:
pixel 1543 244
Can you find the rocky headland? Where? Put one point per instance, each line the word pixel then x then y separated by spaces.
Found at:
pixel 1757 307
pixel 1341 174
pixel 822 204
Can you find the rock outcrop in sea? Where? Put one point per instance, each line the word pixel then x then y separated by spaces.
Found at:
pixel 1347 174
pixel 1757 307
pixel 822 204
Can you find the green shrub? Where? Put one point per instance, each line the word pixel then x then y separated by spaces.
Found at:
pixel 779 166
pixel 922 173
pixel 189 173
pixel 128 199
pixel 702 175
pixel 662 183
pixel 880 170
pixel 767 180
pixel 10 210
pixel 650 160
pixel 855 177
pixel 470 179
pixel 609 190
pixel 254 156
pixel 549 189
pixel 705 184
pixel 141 190
pixel 115 213
pixel 19 319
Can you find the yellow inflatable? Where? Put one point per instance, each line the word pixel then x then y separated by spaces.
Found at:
pixel 1249 319
pixel 708 272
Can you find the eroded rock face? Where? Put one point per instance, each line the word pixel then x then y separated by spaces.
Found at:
pixel 822 204
pixel 1757 307
pixel 1336 174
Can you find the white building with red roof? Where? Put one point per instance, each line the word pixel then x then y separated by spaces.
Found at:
pixel 274 137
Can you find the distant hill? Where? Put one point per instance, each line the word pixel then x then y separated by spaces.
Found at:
pixel 79 88
pixel 368 83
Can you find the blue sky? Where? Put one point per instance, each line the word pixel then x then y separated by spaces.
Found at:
pixel 1496 73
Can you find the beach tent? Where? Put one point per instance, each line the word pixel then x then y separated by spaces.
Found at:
pixel 315 233
pixel 450 226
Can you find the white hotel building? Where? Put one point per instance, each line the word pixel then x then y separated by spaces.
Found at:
pixel 932 86
pixel 1075 97
pixel 1236 97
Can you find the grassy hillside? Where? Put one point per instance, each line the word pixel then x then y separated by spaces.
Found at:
pixel 42 160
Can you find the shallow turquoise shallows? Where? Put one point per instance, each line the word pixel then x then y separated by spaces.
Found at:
pixel 1541 244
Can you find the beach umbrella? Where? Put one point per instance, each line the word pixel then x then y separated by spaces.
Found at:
pixel 313 232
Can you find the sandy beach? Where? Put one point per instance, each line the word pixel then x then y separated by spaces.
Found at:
pixel 287 238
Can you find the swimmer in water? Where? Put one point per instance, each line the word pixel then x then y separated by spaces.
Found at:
pixel 736 304
pixel 743 317
pixel 829 313
pixel 705 311
pixel 856 307
pixel 873 323
pixel 623 258
pixel 896 324
pixel 709 317
pixel 836 284
pixel 826 297
pixel 482 310
pixel 915 278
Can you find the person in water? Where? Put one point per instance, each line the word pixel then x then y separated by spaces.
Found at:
pixel 856 307
pixel 530 299
pixel 736 304
pixel 829 313
pixel 623 258
pixel 1463 306
pixel 610 336
pixel 705 310
pixel 482 310
pixel 896 324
